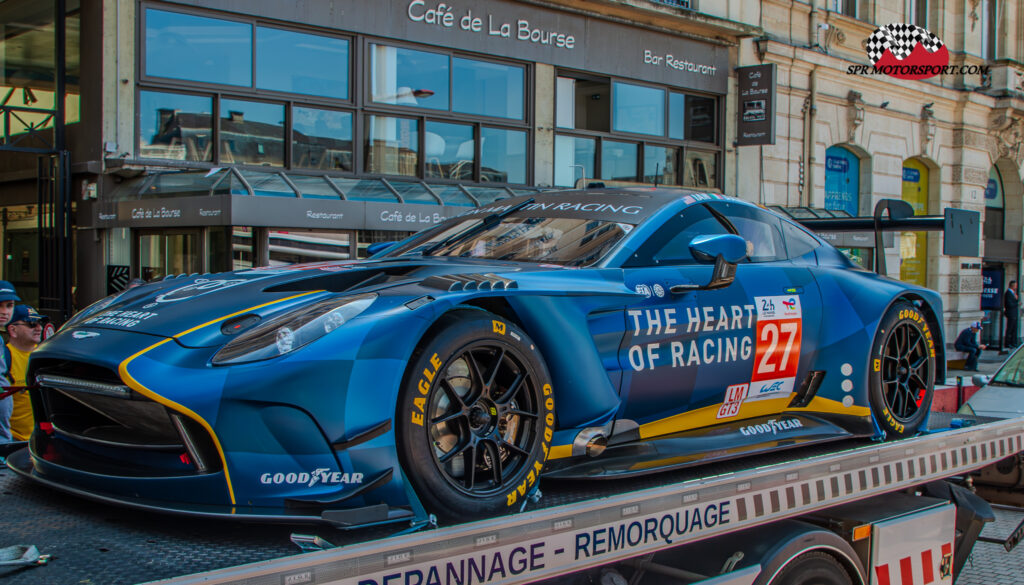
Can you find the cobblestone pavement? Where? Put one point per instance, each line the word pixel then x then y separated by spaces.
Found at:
pixel 989 563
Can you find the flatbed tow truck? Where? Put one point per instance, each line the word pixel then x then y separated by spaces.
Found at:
pixel 845 512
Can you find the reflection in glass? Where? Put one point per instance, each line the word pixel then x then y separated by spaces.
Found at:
pixel 618 160
pixel 392 145
pixel 700 119
pixel 699 169
pixel 660 165
pixel 197 48
pixel 292 246
pixel 487 89
pixel 677 116
pixel 448 150
pixel 413 192
pixel 268 184
pixel 503 155
pixel 638 109
pixel 321 139
pixel 574 159
pixel 241 248
pixel 175 126
pixel 365 190
pixel 408 77
pixel 453 195
pixel 313 186
pixel 299 62
pixel 251 132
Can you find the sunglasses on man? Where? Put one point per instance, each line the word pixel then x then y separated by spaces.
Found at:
pixel 29 325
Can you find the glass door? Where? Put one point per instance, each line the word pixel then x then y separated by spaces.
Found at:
pixel 164 252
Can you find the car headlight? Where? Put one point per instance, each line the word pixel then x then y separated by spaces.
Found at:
pixel 292 330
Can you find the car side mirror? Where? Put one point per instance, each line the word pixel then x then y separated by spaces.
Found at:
pixel 725 250
pixel 374 249
pixel 980 380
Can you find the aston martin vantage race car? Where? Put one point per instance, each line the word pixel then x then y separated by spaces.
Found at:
pixel 577 334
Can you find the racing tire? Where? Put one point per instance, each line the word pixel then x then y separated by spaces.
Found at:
pixel 475 417
pixel 813 568
pixel 901 371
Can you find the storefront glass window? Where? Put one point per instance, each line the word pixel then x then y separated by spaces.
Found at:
pixel 197 48
pixel 699 169
pixel 321 139
pixel 574 159
pixel 691 117
pixel 241 248
pixel 448 150
pixel 487 89
pixel 700 119
pixel 618 160
pixel 660 165
pixel 408 77
pixel 638 109
pixel 392 145
pixel 175 126
pixel 503 154
pixel 291 246
pixel 298 62
pixel 251 132
pixel 583 104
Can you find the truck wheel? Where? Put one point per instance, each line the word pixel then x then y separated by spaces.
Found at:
pixel 813 568
pixel 902 370
pixel 475 417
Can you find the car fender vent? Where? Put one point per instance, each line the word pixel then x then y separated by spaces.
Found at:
pixel 469 282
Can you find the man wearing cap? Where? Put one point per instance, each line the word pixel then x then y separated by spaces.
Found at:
pixel 967 342
pixel 24 332
pixel 7 299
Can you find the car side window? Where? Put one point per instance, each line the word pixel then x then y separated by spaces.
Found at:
pixel 758 227
pixel 670 245
pixel 798 240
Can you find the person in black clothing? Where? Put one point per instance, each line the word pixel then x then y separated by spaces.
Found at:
pixel 967 342
pixel 1011 309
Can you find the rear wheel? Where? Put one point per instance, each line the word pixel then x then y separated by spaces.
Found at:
pixel 813 568
pixel 475 417
pixel 902 370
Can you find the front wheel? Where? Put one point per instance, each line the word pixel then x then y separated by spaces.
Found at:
pixel 475 417
pixel 902 370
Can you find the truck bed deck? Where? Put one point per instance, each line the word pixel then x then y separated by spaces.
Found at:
pixel 93 543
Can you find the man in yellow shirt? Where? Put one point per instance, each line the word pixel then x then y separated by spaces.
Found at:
pixel 23 332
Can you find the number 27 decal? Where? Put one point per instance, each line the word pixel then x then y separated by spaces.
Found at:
pixel 778 349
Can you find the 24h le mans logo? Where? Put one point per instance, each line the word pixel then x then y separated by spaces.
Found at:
pixel 907 51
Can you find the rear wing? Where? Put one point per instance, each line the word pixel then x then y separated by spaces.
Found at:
pixel 961 228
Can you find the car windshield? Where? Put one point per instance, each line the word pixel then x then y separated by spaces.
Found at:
pixel 1012 371
pixel 551 240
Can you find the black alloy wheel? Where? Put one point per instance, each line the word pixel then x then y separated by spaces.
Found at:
pixel 902 370
pixel 483 419
pixel 906 371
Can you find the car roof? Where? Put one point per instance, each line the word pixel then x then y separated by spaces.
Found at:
pixel 630 204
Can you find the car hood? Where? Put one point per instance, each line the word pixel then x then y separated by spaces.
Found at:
pixel 174 306
pixel 998 402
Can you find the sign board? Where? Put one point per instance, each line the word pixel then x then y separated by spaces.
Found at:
pixel 992 288
pixel 756 105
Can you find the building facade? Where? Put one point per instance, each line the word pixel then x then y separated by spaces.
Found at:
pixel 210 135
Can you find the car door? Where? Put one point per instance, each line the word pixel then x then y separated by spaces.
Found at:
pixel 700 356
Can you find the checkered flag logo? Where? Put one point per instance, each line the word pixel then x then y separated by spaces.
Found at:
pixel 900 39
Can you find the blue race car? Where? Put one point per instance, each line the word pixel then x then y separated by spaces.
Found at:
pixel 579 334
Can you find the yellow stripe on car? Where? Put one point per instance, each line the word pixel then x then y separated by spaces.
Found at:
pixel 138 387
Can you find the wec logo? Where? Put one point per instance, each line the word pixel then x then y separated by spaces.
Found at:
pixel 322 475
